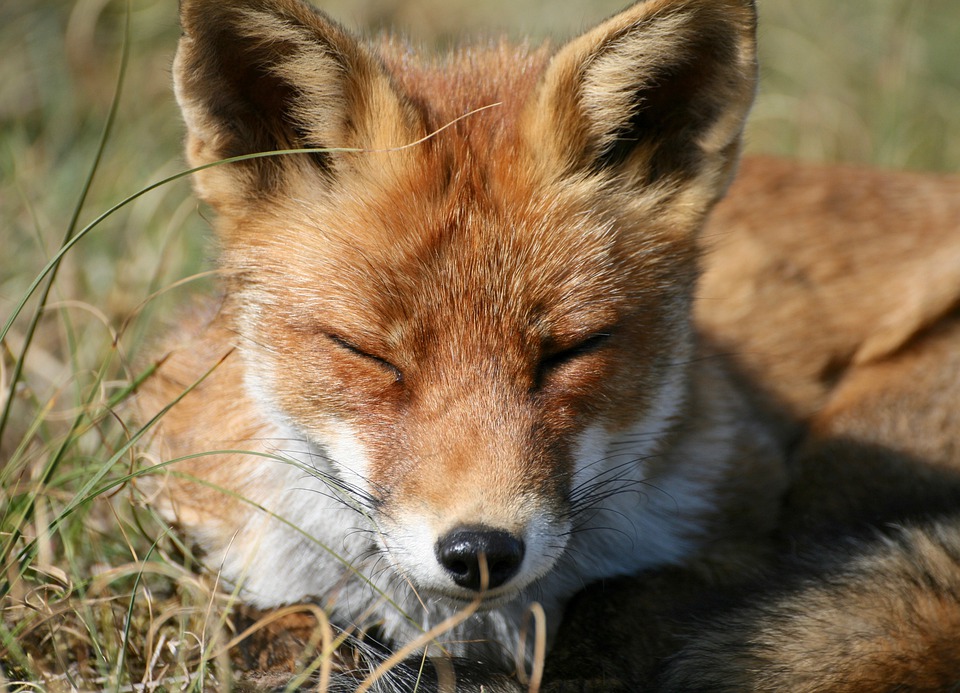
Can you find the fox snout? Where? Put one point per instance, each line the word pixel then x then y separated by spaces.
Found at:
pixel 479 558
pixel 491 560
pixel 487 529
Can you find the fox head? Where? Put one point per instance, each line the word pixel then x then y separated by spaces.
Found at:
pixel 470 297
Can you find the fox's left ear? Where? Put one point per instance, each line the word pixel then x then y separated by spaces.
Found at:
pixel 656 94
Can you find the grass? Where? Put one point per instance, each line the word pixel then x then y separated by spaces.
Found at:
pixel 94 593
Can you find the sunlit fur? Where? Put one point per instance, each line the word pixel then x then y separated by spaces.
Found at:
pixel 490 326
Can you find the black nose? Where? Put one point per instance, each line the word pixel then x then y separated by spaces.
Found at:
pixel 459 553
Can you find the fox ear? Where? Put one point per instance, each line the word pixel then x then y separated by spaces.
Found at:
pixel 658 93
pixel 261 75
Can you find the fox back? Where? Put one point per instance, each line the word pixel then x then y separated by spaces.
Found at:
pixel 454 361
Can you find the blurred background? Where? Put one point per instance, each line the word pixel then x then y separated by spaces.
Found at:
pixel 865 81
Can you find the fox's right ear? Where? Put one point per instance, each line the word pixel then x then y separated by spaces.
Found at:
pixel 656 95
pixel 261 75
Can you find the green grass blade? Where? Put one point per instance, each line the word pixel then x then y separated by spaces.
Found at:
pixel 51 274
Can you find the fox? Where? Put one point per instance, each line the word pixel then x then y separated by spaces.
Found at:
pixel 484 346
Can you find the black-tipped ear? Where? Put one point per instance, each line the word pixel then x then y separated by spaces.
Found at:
pixel 659 91
pixel 261 75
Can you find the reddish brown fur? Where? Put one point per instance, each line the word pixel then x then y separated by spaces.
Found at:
pixel 848 266
pixel 414 291
pixel 835 290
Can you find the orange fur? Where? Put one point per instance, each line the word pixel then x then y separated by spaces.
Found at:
pixel 461 332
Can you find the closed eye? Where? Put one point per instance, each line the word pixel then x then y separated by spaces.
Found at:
pixel 357 351
pixel 552 362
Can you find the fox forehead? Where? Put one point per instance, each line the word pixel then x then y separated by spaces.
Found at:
pixel 510 256
pixel 493 79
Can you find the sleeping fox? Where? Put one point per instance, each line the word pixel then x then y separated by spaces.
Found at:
pixel 461 364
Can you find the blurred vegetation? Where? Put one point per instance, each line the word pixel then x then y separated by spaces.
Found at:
pixel 868 81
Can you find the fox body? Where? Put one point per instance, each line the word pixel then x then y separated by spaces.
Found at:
pixel 455 361
pixel 831 292
pixel 858 359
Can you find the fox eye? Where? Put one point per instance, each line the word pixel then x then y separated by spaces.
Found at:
pixel 357 351
pixel 559 358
